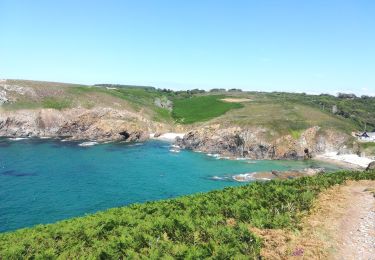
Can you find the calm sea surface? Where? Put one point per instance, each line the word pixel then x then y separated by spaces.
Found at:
pixel 42 181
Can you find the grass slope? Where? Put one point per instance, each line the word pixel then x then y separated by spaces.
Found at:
pixel 214 224
pixel 61 96
pixel 141 98
pixel 359 111
pixel 200 108
pixel 284 117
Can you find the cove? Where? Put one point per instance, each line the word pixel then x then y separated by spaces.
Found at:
pixel 43 181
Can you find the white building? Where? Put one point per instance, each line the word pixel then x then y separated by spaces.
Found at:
pixel 367 137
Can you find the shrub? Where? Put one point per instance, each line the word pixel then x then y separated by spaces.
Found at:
pixel 194 226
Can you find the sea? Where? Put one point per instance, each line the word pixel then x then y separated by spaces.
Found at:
pixel 46 180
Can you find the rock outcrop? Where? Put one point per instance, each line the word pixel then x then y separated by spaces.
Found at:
pixel 255 142
pixel 8 92
pixel 164 103
pixel 101 124
pixel 270 175
pixel 371 166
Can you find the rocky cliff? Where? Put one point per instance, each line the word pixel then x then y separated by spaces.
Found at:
pixel 258 143
pixel 109 119
pixel 90 113
pixel 102 124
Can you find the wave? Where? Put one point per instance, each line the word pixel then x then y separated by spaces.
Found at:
pixel 251 162
pixel 247 177
pixel 221 178
pixel 88 144
pixel 17 138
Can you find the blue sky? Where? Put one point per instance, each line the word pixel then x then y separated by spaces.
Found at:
pixel 305 46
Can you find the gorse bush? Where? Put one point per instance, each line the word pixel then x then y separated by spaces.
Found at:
pixel 207 225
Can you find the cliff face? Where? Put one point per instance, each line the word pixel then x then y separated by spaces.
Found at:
pixel 256 143
pixel 109 119
pixel 89 113
pixel 102 124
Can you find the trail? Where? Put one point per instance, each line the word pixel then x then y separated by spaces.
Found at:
pixel 355 238
pixel 343 222
pixel 341 226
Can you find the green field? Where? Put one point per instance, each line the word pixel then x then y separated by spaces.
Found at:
pixel 193 227
pixel 201 108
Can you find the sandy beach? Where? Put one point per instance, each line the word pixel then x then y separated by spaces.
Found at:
pixel 169 137
pixel 351 161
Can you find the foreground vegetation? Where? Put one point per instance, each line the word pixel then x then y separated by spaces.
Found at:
pixel 214 224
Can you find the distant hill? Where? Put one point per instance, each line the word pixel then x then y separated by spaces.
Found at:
pixel 279 110
pixel 124 86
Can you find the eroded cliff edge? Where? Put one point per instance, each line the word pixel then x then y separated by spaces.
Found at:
pixel 260 143
pixel 101 124
pixel 81 113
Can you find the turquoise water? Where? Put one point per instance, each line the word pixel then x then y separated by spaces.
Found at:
pixel 42 181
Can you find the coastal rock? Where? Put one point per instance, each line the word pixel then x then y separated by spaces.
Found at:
pixel 164 103
pixel 270 175
pixel 157 134
pixel 212 140
pixel 9 93
pixel 3 97
pixel 101 124
pixel 371 166
pixel 255 143
pixel 313 171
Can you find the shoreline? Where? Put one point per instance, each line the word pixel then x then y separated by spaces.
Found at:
pixel 349 161
pixel 346 161
pixel 168 137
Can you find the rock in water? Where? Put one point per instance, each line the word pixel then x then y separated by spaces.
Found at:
pixel 371 166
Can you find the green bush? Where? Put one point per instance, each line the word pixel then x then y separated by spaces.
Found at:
pixel 194 226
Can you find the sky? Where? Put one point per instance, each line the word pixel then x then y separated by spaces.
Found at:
pixel 320 46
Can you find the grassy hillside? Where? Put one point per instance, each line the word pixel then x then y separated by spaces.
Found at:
pixel 284 116
pixel 214 224
pixel 281 112
pixel 139 99
pixel 359 110
pixel 201 108
pixel 284 113
pixel 60 96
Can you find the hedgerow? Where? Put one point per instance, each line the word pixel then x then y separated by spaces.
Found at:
pixel 206 225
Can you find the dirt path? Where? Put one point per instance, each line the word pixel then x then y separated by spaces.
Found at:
pixel 355 237
pixel 236 100
pixel 340 226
